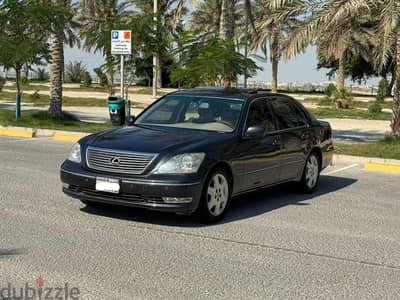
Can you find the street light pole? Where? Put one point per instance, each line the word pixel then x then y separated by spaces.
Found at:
pixel 246 41
pixel 155 10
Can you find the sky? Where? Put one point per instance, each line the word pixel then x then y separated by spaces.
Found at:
pixel 302 69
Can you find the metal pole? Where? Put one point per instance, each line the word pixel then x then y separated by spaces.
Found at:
pixel 122 77
pixel 155 10
pixel 245 46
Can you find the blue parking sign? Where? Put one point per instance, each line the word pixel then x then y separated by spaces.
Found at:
pixel 114 35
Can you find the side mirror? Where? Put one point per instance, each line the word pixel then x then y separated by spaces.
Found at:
pixel 255 131
pixel 130 120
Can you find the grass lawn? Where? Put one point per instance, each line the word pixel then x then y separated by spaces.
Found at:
pixel 388 148
pixel 40 119
pixel 325 113
pixel 43 100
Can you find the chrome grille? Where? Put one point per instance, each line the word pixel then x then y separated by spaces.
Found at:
pixel 118 161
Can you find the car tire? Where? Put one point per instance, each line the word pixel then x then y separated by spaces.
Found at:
pixel 310 178
pixel 215 198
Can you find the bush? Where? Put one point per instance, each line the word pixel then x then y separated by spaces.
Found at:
pixel 330 90
pixel 87 79
pixel 24 81
pixel 74 72
pixel 35 96
pixel 382 89
pixel 342 98
pixel 2 83
pixel 102 77
pixel 375 108
pixel 42 74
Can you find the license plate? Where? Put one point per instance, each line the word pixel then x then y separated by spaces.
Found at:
pixel 107 185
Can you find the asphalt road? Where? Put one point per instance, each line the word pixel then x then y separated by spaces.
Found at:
pixel 341 243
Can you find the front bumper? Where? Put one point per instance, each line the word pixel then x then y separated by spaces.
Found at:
pixel 146 193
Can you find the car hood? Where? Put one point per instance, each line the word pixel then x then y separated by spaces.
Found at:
pixel 154 140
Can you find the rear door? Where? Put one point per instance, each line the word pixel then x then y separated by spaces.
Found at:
pixel 294 129
pixel 257 161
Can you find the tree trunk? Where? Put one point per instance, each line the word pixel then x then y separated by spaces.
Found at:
pixel 391 85
pixel 396 101
pixel 274 58
pixel 110 73
pixel 56 72
pixel 341 71
pixel 159 71
pixel 227 26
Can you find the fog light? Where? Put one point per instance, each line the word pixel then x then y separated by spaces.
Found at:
pixel 65 185
pixel 175 200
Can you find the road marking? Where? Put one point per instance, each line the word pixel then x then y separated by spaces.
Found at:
pixel 25 140
pixel 341 169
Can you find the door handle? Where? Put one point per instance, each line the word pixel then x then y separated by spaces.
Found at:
pixel 277 141
pixel 304 136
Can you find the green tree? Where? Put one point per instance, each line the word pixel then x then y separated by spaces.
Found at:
pixel 97 19
pixel 25 42
pixel 75 72
pixel 336 26
pixel 272 31
pixel 211 62
pixel 389 31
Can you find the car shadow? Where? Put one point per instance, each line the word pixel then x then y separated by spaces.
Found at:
pixel 242 207
pixel 11 252
pixel 267 200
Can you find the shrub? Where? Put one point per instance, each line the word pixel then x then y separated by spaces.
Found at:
pixel 74 72
pixel 24 81
pixel 382 89
pixel 35 96
pixel 87 79
pixel 2 83
pixel 330 90
pixel 375 108
pixel 102 77
pixel 42 74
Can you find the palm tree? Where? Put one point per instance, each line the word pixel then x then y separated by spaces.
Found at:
pixel 97 18
pixel 271 30
pixel 390 47
pixel 331 23
pixel 207 17
pixel 63 32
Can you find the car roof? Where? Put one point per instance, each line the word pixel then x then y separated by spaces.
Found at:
pixel 226 92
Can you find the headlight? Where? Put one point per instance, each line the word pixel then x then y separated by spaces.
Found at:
pixel 182 164
pixel 75 153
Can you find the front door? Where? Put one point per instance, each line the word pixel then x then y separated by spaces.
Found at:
pixel 257 161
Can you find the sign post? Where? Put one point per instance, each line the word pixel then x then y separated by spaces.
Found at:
pixel 121 44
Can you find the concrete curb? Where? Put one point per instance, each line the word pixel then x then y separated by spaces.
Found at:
pixel 382 168
pixel 57 135
pixel 62 136
pixel 17 131
pixel 371 163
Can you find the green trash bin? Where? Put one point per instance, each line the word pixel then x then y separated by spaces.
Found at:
pixel 116 108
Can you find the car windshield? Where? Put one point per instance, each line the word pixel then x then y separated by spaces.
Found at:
pixel 194 112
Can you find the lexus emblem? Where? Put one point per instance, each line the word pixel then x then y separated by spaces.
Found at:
pixel 115 161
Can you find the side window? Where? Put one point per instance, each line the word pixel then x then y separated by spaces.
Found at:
pixel 259 113
pixel 287 114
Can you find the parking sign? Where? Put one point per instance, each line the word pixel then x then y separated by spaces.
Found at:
pixel 121 42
